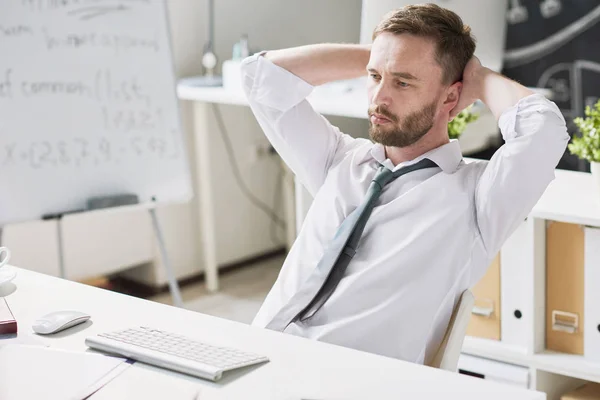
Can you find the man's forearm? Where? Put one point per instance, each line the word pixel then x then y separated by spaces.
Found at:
pixel 499 92
pixel 321 63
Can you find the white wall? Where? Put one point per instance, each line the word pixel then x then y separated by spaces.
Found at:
pixel 272 24
pixel 269 24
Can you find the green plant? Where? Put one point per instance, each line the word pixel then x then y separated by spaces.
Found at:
pixel 457 126
pixel 587 146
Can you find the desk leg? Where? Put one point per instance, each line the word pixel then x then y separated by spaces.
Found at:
pixel 202 116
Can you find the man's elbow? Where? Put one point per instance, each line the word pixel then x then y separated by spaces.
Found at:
pixel 551 138
pixel 247 73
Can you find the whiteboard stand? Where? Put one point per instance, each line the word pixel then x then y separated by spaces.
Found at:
pixel 173 285
pixel 61 247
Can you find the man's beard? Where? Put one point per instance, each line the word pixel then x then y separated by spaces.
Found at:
pixel 401 134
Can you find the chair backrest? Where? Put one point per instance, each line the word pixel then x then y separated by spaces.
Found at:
pixel 448 353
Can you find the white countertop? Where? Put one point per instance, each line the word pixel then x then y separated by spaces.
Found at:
pixel 571 197
pixel 346 98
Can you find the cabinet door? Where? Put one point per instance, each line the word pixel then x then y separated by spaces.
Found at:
pixel 102 242
pixel 485 318
pixel 516 287
pixel 591 348
pixel 564 287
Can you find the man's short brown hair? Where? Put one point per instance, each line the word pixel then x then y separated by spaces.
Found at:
pixel 454 43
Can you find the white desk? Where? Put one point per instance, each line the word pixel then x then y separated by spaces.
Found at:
pixel 299 368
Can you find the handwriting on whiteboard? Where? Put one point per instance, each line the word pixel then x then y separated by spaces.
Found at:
pixel 109 115
pixel 101 86
pixel 82 151
pixel 80 6
pixel 14 31
pixel 117 42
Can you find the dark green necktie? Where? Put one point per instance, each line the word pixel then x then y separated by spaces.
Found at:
pixel 323 280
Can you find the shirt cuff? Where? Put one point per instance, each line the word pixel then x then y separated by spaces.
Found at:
pixel 276 87
pixel 534 103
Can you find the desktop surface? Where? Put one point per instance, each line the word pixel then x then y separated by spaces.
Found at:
pixel 298 367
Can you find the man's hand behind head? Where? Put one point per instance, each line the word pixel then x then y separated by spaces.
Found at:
pixel 471 87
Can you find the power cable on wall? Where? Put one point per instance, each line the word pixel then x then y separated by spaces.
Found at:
pixel 275 219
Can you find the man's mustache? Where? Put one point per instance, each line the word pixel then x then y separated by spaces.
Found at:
pixel 384 112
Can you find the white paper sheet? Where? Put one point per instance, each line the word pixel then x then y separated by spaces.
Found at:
pixel 34 372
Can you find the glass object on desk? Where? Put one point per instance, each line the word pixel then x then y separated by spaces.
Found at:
pixel 7 273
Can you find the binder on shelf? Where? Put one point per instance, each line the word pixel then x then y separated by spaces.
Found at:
pixel 591 328
pixel 516 287
pixel 564 287
pixel 485 317
pixel 588 391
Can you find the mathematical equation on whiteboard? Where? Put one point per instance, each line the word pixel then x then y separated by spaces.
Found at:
pixel 82 152
pixel 121 104
pixel 101 94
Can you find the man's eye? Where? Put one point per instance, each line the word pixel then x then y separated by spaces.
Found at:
pixel 375 77
pixel 402 84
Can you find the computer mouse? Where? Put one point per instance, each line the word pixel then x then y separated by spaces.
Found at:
pixel 58 321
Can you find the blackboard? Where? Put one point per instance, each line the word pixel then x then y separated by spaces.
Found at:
pixel 555 44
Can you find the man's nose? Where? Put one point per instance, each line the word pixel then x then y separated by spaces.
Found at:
pixel 380 95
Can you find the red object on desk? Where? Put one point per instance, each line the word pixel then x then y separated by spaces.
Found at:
pixel 8 324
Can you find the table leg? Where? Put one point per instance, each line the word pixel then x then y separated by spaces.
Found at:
pixel 204 194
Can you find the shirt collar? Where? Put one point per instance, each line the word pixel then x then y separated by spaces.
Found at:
pixel 447 156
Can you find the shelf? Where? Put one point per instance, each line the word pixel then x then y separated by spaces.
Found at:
pixel 571 197
pixel 187 91
pixel 328 101
pixel 496 350
pixel 567 364
pixel 558 363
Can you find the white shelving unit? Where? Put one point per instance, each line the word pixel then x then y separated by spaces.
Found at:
pixel 570 198
pixel 549 361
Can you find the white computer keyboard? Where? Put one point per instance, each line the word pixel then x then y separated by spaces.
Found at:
pixel 172 351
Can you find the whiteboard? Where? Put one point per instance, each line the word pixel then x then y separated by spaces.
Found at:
pixel 87 106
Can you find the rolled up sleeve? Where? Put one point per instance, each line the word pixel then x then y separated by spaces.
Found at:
pixel 517 175
pixel 304 139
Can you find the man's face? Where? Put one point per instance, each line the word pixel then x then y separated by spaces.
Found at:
pixel 405 89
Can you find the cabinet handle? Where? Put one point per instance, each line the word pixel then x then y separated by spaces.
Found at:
pixel 484 311
pixel 564 321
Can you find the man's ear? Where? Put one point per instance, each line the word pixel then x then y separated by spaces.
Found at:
pixel 452 97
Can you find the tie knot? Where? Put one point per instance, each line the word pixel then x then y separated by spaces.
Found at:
pixel 384 175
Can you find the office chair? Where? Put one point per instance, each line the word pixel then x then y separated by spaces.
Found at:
pixel 447 355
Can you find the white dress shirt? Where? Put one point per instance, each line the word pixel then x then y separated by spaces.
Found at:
pixel 432 234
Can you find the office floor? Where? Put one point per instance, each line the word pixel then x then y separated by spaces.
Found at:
pixel 241 292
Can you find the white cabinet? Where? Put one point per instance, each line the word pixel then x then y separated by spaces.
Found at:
pixel 591 329
pixel 494 370
pixel 516 287
pixel 530 258
pixel 95 243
